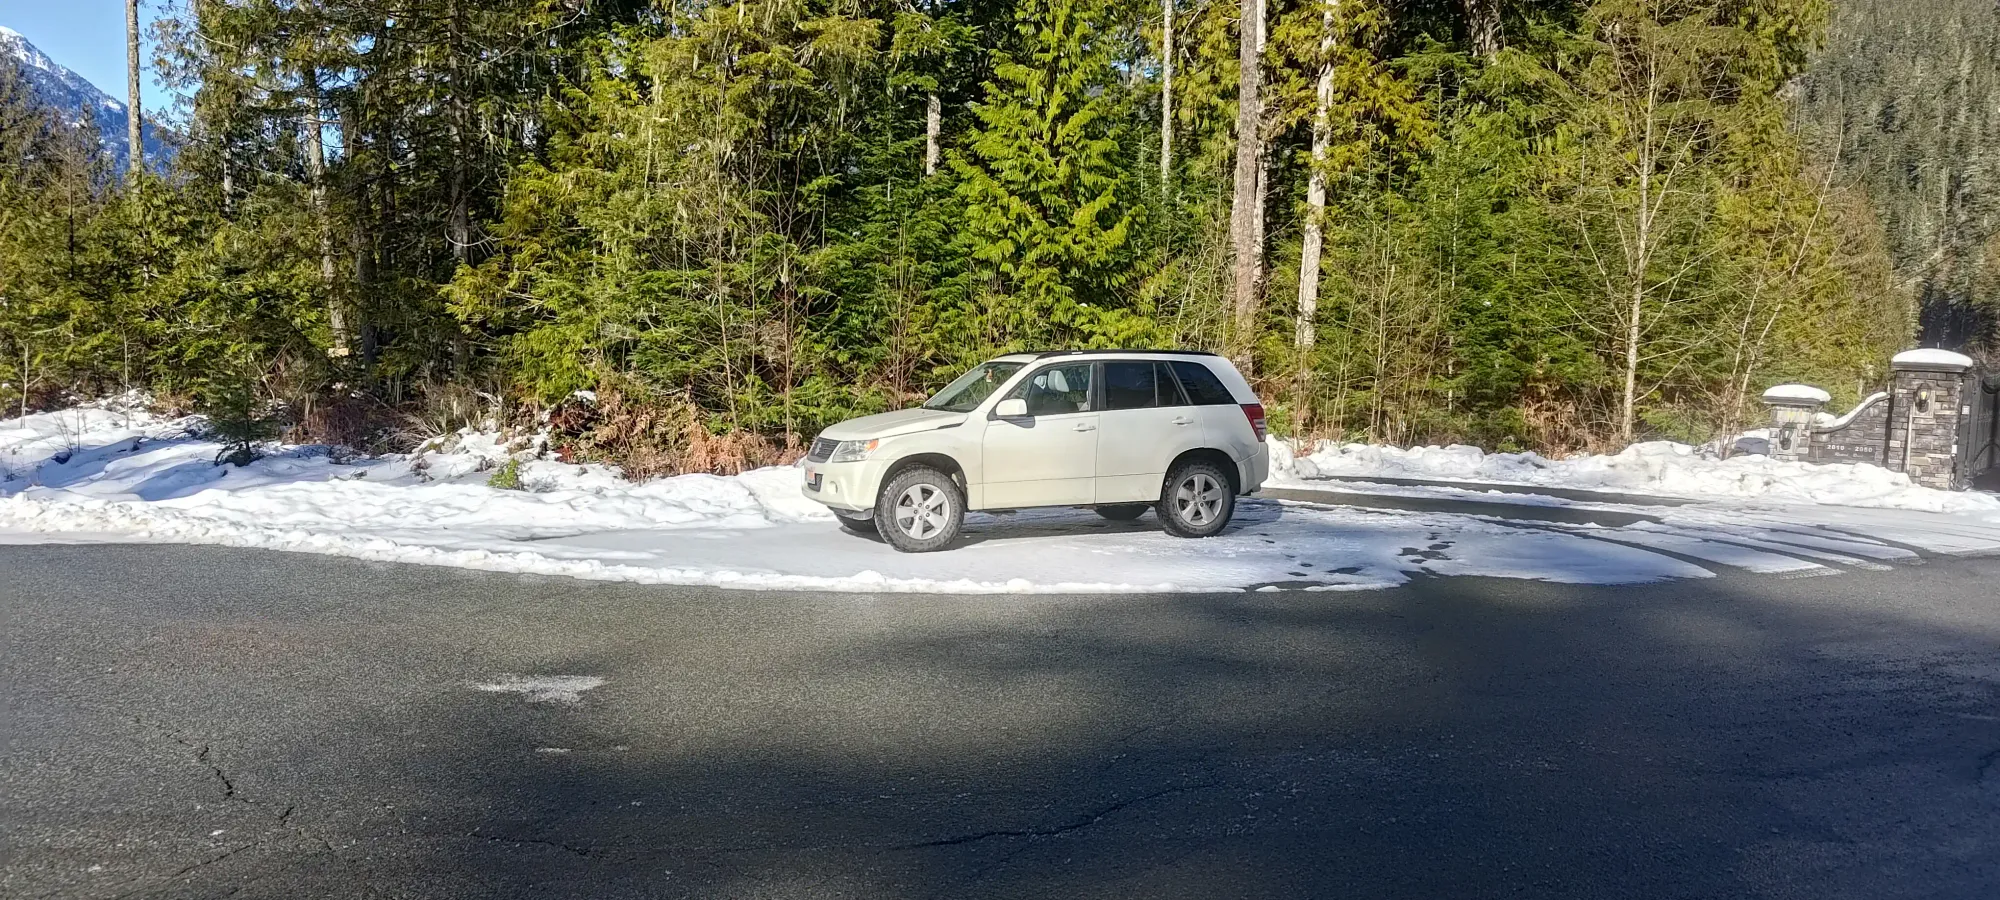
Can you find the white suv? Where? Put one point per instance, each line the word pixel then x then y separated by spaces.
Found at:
pixel 1118 431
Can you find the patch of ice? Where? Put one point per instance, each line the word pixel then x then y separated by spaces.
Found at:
pixel 543 688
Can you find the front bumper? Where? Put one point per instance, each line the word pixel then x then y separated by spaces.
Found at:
pixel 850 486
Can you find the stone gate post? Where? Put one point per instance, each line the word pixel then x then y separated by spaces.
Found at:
pixel 1928 400
pixel 1793 409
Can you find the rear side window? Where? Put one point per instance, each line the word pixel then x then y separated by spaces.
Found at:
pixel 1203 388
pixel 1130 385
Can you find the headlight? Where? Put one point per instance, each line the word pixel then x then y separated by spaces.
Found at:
pixel 852 451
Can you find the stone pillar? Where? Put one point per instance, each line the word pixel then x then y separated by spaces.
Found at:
pixel 1793 409
pixel 1928 401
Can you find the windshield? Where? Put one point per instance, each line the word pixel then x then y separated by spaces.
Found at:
pixel 967 391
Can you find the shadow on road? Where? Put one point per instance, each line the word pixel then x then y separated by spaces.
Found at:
pixel 1750 737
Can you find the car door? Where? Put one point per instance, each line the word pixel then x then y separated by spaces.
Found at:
pixel 1146 423
pixel 1049 456
pixel 1222 420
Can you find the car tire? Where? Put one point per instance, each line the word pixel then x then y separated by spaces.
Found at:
pixel 1196 500
pixel 1124 512
pixel 853 524
pixel 920 510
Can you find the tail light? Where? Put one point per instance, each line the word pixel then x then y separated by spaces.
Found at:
pixel 1255 413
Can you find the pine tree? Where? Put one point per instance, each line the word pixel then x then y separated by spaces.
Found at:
pixel 1042 179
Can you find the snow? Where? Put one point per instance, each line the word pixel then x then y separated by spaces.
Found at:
pixel 1831 422
pixel 1931 357
pixel 1654 467
pixel 113 471
pixel 1804 392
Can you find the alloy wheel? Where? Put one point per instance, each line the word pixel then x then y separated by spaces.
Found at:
pixel 922 511
pixel 1198 499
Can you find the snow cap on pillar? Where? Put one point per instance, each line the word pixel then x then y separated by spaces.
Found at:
pixel 1931 360
pixel 1797 395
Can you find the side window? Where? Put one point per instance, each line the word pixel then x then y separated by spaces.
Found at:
pixel 1056 390
pixel 1170 388
pixel 1203 388
pixel 1129 385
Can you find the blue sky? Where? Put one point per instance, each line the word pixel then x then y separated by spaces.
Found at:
pixel 89 37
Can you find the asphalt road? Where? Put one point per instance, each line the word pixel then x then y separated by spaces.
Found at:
pixel 201 722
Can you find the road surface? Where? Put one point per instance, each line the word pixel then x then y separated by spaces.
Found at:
pixel 207 722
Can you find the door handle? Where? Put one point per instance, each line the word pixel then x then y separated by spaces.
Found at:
pixel 1183 420
pixel 1085 426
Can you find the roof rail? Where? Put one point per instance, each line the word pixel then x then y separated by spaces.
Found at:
pixel 1044 354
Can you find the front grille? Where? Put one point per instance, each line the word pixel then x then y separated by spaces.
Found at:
pixel 822 450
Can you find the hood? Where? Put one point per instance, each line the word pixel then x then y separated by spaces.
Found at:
pixel 890 424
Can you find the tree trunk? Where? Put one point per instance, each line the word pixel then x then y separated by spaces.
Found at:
pixel 336 316
pixel 384 212
pixel 933 124
pixel 361 236
pixel 1482 27
pixel 1636 269
pixel 1248 251
pixel 228 177
pixel 134 130
pixel 1167 97
pixel 1639 259
pixel 1627 415
pixel 458 218
pixel 1309 249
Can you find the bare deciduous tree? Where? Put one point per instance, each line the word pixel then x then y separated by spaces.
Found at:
pixel 1245 239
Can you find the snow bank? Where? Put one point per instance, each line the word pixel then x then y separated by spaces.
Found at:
pixel 1657 467
pixel 113 466
pixel 114 471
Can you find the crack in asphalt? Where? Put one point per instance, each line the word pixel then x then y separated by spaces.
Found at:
pixel 1085 821
pixel 228 787
pixel 193 867
pixel 200 755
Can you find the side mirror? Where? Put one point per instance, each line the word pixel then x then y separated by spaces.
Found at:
pixel 1013 408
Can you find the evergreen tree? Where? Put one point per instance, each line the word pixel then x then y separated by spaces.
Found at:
pixel 1548 224
pixel 1045 186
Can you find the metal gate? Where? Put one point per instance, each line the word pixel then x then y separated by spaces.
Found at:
pixel 1979 443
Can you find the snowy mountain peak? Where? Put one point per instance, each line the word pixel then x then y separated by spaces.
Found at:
pixel 60 88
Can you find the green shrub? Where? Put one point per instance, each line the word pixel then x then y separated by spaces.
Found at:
pixel 507 477
pixel 238 420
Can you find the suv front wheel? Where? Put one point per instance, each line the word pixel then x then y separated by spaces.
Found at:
pixel 1196 501
pixel 920 510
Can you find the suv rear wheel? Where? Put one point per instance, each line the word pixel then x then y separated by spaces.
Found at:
pixel 1196 501
pixel 920 510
